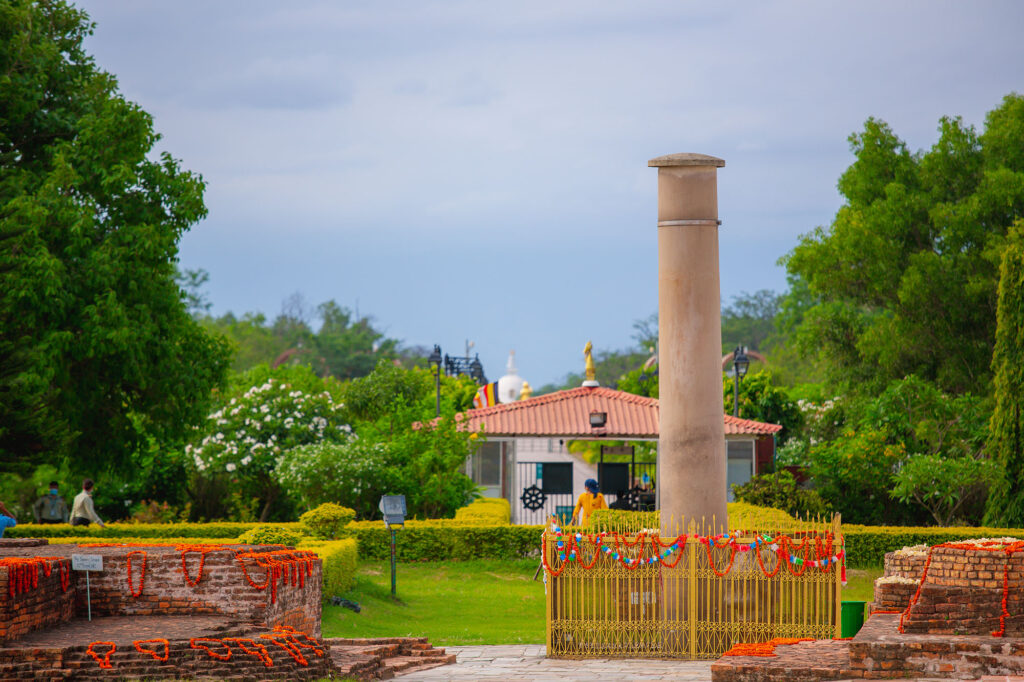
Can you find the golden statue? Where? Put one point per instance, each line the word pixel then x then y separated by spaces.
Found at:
pixel 526 392
pixel 591 372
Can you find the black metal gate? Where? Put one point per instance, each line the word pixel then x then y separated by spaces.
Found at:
pixel 543 489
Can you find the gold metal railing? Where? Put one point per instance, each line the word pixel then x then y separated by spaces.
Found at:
pixel 693 606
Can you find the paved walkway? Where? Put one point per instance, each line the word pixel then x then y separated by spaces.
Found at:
pixel 527 662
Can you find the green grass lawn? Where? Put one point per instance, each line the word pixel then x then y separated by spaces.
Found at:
pixel 451 602
pixel 469 602
pixel 860 583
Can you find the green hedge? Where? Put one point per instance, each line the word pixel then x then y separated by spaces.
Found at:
pixel 226 530
pixel 340 558
pixel 866 546
pixel 432 541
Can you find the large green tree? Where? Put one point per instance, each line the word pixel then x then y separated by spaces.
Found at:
pixel 1006 439
pixel 904 279
pixel 89 299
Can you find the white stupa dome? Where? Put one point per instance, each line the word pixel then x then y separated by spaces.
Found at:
pixel 510 385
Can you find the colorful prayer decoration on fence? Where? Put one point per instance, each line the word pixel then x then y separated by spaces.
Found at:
pixel 796 556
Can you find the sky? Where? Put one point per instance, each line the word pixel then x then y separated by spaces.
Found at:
pixel 478 170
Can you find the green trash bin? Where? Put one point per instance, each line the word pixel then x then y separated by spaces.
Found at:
pixel 851 618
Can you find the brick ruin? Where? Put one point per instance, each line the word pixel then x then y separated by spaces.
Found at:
pixel 218 610
pixel 953 611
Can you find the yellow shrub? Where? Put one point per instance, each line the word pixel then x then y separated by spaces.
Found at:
pixel 486 510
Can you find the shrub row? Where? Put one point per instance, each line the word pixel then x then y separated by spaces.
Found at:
pixel 339 556
pixel 866 546
pixel 435 540
pixel 221 530
pixel 493 510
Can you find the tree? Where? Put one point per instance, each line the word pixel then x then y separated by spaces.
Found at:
pixel 750 320
pixel 943 485
pixel 861 452
pixel 905 277
pixel 763 401
pixel 349 347
pixel 191 283
pixel 1006 501
pixel 91 303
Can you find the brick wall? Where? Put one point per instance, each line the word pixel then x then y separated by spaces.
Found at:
pixel 907 562
pixel 28 605
pixel 893 593
pixel 879 652
pixel 183 660
pixel 221 586
pixel 963 593
pixel 157 585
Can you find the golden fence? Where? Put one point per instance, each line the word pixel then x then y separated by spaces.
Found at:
pixel 627 593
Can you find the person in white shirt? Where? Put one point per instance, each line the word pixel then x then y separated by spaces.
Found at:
pixel 82 511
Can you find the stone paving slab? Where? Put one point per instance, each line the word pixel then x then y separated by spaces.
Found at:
pixel 528 662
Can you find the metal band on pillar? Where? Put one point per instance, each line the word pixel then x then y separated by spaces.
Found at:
pixel 675 223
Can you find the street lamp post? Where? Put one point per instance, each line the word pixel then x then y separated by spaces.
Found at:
pixel 435 359
pixel 740 362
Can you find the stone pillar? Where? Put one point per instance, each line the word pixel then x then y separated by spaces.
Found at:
pixel 691 443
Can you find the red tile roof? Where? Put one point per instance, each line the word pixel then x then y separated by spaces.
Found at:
pixel 567 414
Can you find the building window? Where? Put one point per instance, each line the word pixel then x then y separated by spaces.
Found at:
pixel 740 468
pixel 487 465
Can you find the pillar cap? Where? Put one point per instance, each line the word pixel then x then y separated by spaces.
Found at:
pixel 686 160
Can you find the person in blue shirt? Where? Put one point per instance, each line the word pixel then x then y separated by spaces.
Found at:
pixel 7 519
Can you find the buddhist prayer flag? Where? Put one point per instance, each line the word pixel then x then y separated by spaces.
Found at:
pixel 486 396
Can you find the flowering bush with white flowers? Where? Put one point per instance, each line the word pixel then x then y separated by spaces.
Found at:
pixel 250 432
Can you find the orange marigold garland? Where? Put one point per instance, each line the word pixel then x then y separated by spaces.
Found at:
pixel 22 574
pixel 258 650
pixel 917 594
pixel 760 562
pixel 142 573
pixel 293 635
pixel 1006 592
pixel 544 558
pixel 203 550
pixel 294 565
pixel 143 650
pixel 213 654
pixel 678 544
pixel 104 660
pixel 292 649
pixel 711 559
pixel 764 649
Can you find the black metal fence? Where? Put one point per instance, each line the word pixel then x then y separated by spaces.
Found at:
pixel 545 489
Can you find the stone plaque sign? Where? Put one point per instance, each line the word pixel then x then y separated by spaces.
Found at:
pixel 87 562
